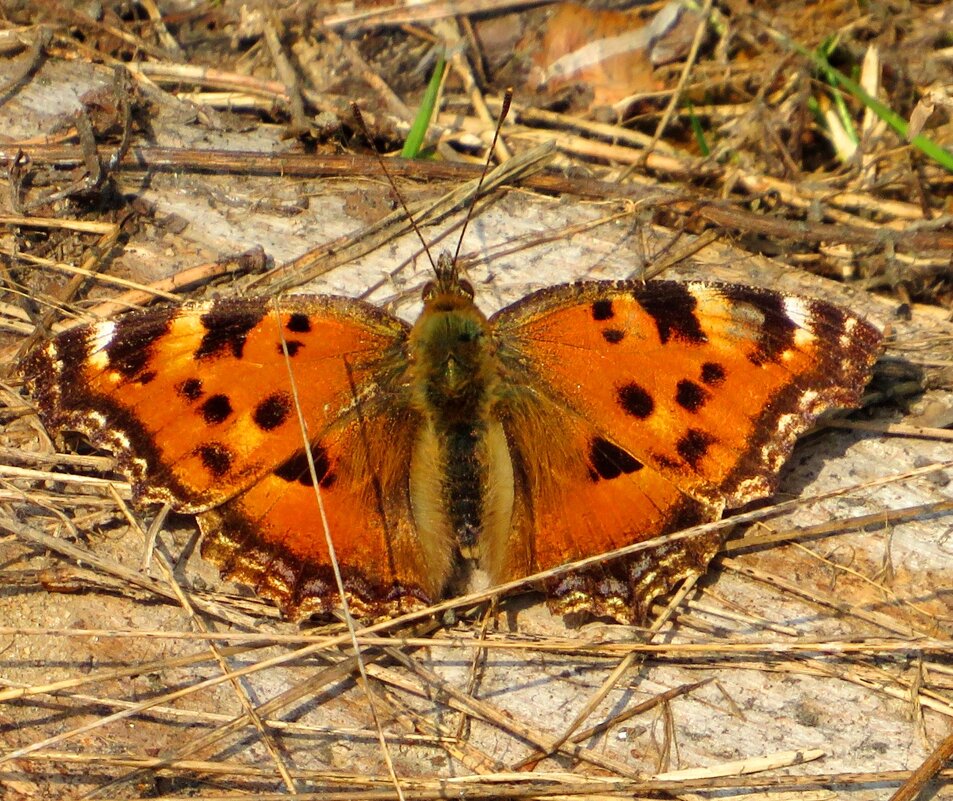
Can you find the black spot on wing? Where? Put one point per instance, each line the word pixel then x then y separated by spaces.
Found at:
pixel 217 409
pixel 602 310
pixel 613 335
pixel 635 401
pixel 190 389
pixel 226 328
pixel 134 336
pixel 693 446
pixel 293 346
pixel 690 396
pixel 216 457
pixel 147 377
pixel 776 334
pixel 299 323
pixel 609 461
pixel 272 411
pixel 686 514
pixel 672 307
pixel 296 468
pixel 712 373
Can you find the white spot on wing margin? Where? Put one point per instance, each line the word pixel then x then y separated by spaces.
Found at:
pixel 102 336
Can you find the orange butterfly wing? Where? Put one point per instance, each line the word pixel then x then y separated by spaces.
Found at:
pixel 635 409
pixel 197 403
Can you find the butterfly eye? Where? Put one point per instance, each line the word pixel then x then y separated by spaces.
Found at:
pixel 429 290
pixel 466 287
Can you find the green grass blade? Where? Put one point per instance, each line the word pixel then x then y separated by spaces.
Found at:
pixel 415 137
pixel 926 146
pixel 698 131
pixel 843 113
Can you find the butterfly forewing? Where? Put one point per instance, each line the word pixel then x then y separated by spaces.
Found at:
pixel 196 400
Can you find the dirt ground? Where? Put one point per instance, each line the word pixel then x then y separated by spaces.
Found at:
pixel 194 150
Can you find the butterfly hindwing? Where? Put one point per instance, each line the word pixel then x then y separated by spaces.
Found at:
pixel 272 535
pixel 577 494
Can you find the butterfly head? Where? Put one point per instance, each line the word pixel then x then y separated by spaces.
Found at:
pixel 447 289
pixel 450 346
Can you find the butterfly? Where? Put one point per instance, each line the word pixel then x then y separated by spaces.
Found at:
pixel 582 418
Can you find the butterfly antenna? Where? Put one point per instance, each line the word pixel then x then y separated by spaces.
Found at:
pixel 504 110
pixel 393 185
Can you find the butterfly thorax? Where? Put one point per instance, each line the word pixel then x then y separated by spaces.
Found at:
pixel 453 369
pixel 461 462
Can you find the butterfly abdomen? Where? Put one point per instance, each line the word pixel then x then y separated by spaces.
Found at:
pixel 466 477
